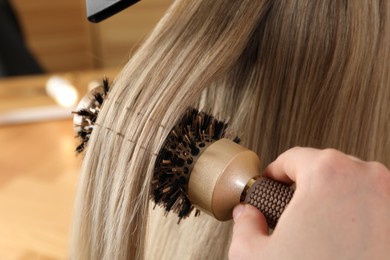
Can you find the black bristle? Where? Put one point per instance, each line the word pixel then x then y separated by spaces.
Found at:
pixel 184 144
pixel 99 98
pixel 106 86
pixel 84 112
pixel 83 134
pixel 80 148
pixel 186 209
pixel 172 198
pixel 219 130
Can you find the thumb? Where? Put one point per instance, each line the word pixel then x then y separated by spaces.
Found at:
pixel 250 231
pixel 249 221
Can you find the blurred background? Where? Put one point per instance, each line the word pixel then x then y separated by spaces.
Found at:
pixel 49 56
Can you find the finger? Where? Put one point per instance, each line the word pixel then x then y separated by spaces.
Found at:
pixel 291 164
pixel 250 231
pixel 249 221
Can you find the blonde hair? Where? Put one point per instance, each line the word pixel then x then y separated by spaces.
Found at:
pixel 286 73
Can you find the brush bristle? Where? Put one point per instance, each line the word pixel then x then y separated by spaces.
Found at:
pixel 87 113
pixel 182 147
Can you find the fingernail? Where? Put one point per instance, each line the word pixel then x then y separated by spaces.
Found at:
pixel 237 211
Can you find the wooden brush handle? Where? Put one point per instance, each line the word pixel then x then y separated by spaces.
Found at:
pixel 270 197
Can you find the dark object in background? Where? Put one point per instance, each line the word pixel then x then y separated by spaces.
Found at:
pixel 15 58
pixel 98 10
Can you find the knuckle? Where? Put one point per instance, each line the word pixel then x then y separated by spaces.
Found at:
pixel 330 155
pixel 329 161
pixel 378 168
pixel 332 167
pixel 381 175
pixel 288 152
pixel 295 149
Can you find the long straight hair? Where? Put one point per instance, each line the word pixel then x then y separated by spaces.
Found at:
pixel 285 73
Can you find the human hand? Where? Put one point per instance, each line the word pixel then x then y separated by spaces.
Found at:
pixel 340 210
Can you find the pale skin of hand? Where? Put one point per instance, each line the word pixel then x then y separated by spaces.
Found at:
pixel 340 210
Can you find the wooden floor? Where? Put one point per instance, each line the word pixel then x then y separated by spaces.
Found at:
pixel 38 175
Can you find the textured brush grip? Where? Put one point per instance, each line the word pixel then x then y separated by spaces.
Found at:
pixel 270 197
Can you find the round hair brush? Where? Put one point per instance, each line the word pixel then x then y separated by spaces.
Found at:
pixel 199 167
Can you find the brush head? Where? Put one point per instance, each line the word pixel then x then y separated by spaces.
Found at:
pixel 185 143
pixel 86 113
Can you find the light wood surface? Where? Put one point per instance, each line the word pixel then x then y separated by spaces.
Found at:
pixel 38 173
